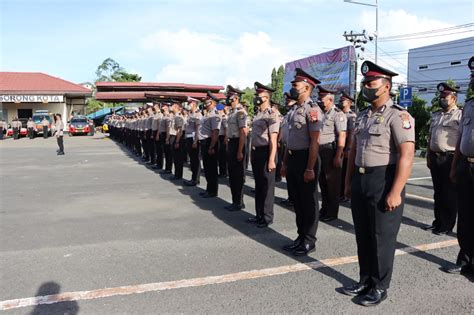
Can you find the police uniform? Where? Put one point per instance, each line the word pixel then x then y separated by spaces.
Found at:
pixel 303 120
pixel 192 144
pixel 60 135
pixel 236 123
pixel 334 126
pixel 45 124
pixel 150 142
pixel 378 134
pixel 178 145
pixel 155 127
pixel 16 127
pixel 209 124
pixel 443 136
pixel 3 127
pixel 350 117
pixel 31 128
pixel 265 123
pixel 166 124
pixel 222 143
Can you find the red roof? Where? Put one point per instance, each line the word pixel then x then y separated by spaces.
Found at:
pixel 153 85
pixel 121 96
pixel 147 96
pixel 37 83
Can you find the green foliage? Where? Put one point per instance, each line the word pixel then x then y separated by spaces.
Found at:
pixel 110 70
pixel 422 115
pixel 470 93
pixel 277 84
pixel 248 96
pixel 360 103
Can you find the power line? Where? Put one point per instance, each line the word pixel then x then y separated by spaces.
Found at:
pixel 428 32
pixel 423 37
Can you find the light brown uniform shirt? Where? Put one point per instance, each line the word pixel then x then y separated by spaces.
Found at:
pixel 236 120
pixel 444 130
pixel 377 135
pixel 30 124
pixel 264 123
pixel 302 120
pixel 334 123
pixel 194 120
pixel 209 122
pixel 156 121
pixel 466 129
pixel 222 130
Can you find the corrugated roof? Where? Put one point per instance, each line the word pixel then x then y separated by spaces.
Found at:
pixel 136 85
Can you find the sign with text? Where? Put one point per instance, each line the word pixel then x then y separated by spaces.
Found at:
pixel 406 94
pixel 10 98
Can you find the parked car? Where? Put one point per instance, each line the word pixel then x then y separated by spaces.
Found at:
pixel 23 130
pixel 78 126
pixel 37 119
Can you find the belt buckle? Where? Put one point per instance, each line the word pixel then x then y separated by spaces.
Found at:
pixel 470 159
pixel 253 148
pixel 289 152
pixel 362 170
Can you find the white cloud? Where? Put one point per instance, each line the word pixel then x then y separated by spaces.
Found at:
pixel 208 58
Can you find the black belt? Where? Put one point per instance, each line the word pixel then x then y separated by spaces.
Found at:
pixel 469 159
pixel 298 152
pixel 258 148
pixel 234 139
pixel 447 153
pixel 368 170
pixel 327 146
pixel 205 140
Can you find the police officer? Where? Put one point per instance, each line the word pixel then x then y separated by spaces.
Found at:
pixel 331 150
pixel 150 141
pixel 237 136
pixel 265 127
pixel 30 125
pixel 462 173
pixel 442 139
pixel 59 133
pixel 155 127
pixel 16 127
pixel 192 141
pixel 380 162
pixel 45 125
pixel 164 138
pixel 178 141
pixel 345 105
pixel 300 165
pixel 222 141
pixel 3 127
pixel 208 139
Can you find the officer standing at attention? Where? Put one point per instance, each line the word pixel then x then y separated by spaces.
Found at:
pixel 3 127
pixel 164 135
pixel 345 104
pixel 178 143
pixel 16 126
pixel 300 164
pixel 265 127
pixel 222 141
pixel 462 173
pixel 60 134
pixel 30 125
pixel 155 126
pixel 192 141
pixel 380 162
pixel 237 136
pixel 150 140
pixel 442 139
pixel 208 139
pixel 331 150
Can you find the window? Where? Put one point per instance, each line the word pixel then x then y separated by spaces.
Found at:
pixel 422 67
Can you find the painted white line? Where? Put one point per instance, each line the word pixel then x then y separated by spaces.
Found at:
pixel 198 282
pixel 419 178
pixel 420 163
pixel 419 197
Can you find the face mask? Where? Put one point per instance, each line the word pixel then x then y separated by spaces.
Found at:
pixel 228 101
pixel 369 94
pixel 443 103
pixel 320 104
pixel 340 105
pixel 294 93
pixel 255 110
pixel 257 101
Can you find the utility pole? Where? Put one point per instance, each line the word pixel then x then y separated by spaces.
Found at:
pixel 358 40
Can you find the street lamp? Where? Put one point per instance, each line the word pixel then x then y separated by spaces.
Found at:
pixel 376 6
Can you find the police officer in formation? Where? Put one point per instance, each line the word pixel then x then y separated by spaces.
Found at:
pixel 30 125
pixel 462 173
pixel 265 127
pixel 192 141
pixel 178 141
pixel 380 162
pixel 165 128
pixel 3 128
pixel 345 105
pixel 331 150
pixel 45 125
pixel 155 130
pixel 442 139
pixel 222 158
pixel 237 137
pixel 16 127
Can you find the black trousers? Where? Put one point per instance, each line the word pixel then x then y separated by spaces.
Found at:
pixel 465 232
pixel 194 159
pixel 151 147
pixel 264 183
pixel 445 198
pixel 330 183
pixel 31 133
pixel 16 133
pixel 280 154
pixel 236 171
pixel 178 157
pixel 375 228
pixel 146 143
pixel 60 141
pixel 304 195
pixel 210 166
pixel 138 146
pixel 167 151
pixel 159 151
pixel 343 177
pixel 1 133
pixel 45 132
pixel 222 156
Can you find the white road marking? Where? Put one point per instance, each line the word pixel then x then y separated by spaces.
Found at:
pixel 419 197
pixel 198 282
pixel 419 178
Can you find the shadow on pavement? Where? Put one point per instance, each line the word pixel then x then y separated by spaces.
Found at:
pixel 52 288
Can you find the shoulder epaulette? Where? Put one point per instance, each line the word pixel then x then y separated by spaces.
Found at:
pixel 399 107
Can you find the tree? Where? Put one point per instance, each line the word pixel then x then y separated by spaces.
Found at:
pixel 422 115
pixel 248 96
pixel 360 103
pixel 110 71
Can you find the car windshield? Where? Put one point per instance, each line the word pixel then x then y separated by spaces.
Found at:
pixel 78 120
pixel 39 118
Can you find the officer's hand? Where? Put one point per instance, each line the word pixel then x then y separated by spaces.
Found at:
pixel 240 156
pixel 452 175
pixel 392 201
pixel 428 162
pixel 308 176
pixel 346 154
pixel 337 162
pixel 283 170
pixel 176 145
pixel 211 151
pixel 271 166
pixel 195 145
pixel 167 142
pixel 348 191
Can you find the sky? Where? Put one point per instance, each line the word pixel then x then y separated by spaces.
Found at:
pixel 208 42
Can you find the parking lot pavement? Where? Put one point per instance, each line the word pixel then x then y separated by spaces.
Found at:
pixel 103 234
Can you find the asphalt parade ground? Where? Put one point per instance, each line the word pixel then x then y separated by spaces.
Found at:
pixel 97 232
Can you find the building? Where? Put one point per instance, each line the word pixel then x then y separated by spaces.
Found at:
pixel 430 65
pixel 24 93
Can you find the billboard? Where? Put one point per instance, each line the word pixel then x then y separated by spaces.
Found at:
pixel 335 69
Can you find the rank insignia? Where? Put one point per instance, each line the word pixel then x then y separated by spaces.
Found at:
pixel 313 115
pixel 406 124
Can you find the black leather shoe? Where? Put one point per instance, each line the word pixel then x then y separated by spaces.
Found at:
pixel 208 195
pixel 304 249
pixel 189 183
pixel 455 270
pixel 253 220
pixel 292 246
pixel 327 219
pixel 430 227
pixel 60 153
pixel 374 297
pixel 263 224
pixel 234 208
pixel 355 289
pixel 165 172
pixel 441 232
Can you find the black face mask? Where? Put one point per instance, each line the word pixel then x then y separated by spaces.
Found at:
pixel 340 105
pixel 257 101
pixel 255 110
pixel 228 101
pixel 320 104
pixel 443 103
pixel 370 94
pixel 294 93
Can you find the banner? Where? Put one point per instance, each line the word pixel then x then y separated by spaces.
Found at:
pixel 335 69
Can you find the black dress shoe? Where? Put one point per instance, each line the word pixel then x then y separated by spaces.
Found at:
pixel 355 289
pixel 455 270
pixel 292 246
pixel 327 219
pixel 304 249
pixel 373 297
pixel 175 178
pixel 441 232
pixel 203 193
pixel 430 227
pixel 234 207
pixel 60 153
pixel 190 183
pixel 165 172
pixel 253 220
pixel 263 224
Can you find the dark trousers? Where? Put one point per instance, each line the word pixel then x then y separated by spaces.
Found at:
pixel 343 178
pixel 304 195
pixel 159 151
pixel 264 183
pixel 376 229
pixel 194 159
pixel 60 143
pixel 1 133
pixel 465 232
pixel 31 133
pixel 45 132
pixel 210 166
pixel 146 143
pixel 280 154
pixel 247 149
pixel 16 133
pixel 236 171
pixel 330 183
pixel 445 199
pixel 222 156
pixel 167 152
pixel 138 146
pixel 151 147
pixel 178 157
